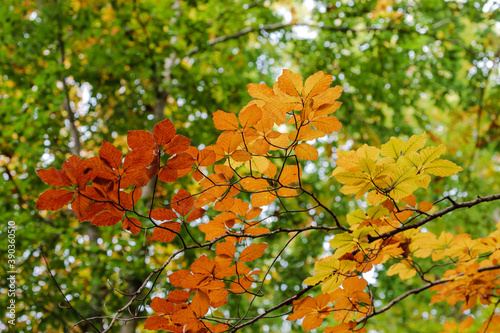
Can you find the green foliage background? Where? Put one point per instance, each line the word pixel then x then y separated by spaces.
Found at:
pixel 406 66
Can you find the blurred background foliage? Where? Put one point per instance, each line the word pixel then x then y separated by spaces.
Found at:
pixel 76 72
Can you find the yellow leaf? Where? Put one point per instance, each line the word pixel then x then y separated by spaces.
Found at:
pixel 368 152
pixel 356 217
pixel 377 212
pixel 429 154
pixel 442 168
pixel 404 269
pixel 392 148
pixel 415 143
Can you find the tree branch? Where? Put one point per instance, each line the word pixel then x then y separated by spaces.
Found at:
pixel 434 216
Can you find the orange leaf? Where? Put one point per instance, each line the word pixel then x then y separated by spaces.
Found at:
pixel 182 202
pixel 176 278
pixel 306 152
pixel 200 304
pixel 54 199
pixel 327 124
pixel 253 252
pixel 155 323
pixel 225 249
pixel 206 157
pixel 253 213
pixel 241 156
pixel 132 224
pixel 253 184
pixel 410 200
pixel 140 139
pixel 179 143
pixel 166 232
pixel 290 174
pixel 225 121
pixel 250 116
pixel 54 177
pixel 182 160
pixel 425 206
pixel 163 132
pixel 262 199
pixel 260 91
pixel 178 296
pixel 290 83
pixel 316 84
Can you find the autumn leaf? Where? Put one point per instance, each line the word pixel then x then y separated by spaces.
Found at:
pixel 163 132
pixel 166 232
pixel 306 152
pixel 252 252
pixel 54 199
pixel 225 121
pixel 105 219
pixel 183 202
pixel 54 177
pixel 290 83
pixel 314 311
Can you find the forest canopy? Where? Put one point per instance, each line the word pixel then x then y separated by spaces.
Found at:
pixel 251 165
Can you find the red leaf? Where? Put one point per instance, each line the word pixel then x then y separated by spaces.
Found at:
pixel 138 159
pixel 105 219
pixel 168 175
pixel 132 224
pixel 111 155
pixel 178 144
pixel 165 232
pixel 181 161
pixel 81 206
pixel 163 132
pixel 182 202
pixel 138 178
pixel 76 170
pixel 94 209
pixel 140 139
pixel 162 214
pixel 54 177
pixel 253 252
pixel 54 199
